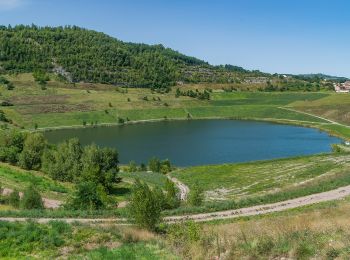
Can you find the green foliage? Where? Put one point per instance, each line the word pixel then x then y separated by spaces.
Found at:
pixel 14 199
pixel 63 163
pixel 171 197
pixel 184 233
pixel 11 145
pixel 32 199
pixel 33 148
pixel 3 117
pixel 41 77
pixel 86 196
pixel 145 206
pixel 77 54
pixel 132 166
pixel 156 165
pixel 99 165
pixel 196 195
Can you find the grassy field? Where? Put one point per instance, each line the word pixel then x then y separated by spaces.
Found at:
pixel 60 240
pixel 315 232
pixel 16 178
pixel 335 107
pixel 63 104
pixel 237 181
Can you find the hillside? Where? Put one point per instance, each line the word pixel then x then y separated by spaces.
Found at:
pixel 84 55
pixel 81 55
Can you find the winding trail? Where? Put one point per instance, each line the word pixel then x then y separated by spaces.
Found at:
pixel 335 194
pixel 184 190
pixel 309 114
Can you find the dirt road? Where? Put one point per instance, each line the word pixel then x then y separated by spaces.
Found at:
pixel 184 190
pixel 336 194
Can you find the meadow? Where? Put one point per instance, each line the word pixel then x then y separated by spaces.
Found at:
pixel 241 180
pixel 60 104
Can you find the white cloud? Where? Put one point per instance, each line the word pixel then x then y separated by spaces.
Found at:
pixel 10 4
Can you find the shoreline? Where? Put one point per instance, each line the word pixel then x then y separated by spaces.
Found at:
pixel 300 123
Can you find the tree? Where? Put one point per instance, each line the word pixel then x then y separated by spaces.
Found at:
pixel 11 145
pixel 33 149
pixel 99 165
pixel 196 195
pixel 14 199
pixel 154 164
pixel 145 206
pixel 86 196
pixel 132 166
pixel 63 163
pixel 32 198
pixel 165 166
pixel 171 197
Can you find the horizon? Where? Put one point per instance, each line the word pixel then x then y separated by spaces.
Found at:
pixel 285 38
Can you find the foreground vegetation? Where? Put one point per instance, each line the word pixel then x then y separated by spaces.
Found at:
pixel 58 239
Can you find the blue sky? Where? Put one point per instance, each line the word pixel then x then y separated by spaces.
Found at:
pixel 284 36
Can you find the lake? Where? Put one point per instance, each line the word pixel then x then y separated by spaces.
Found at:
pixel 199 142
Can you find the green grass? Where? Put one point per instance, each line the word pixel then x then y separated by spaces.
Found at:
pixel 327 183
pixel 235 181
pixel 13 177
pixel 64 105
pixel 150 251
pixel 29 240
pixel 151 178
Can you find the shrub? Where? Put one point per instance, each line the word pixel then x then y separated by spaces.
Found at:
pixel 196 197
pixel 145 206
pixel 171 198
pixel 63 163
pixel 14 199
pixel 86 196
pixel 33 149
pixel 32 199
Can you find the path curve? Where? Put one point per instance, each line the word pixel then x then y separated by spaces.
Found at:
pixel 336 194
pixel 184 190
pixel 309 114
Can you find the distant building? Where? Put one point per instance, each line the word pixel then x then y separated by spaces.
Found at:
pixel 342 87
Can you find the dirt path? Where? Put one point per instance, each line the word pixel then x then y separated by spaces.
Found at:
pixel 48 203
pixel 184 190
pixel 309 114
pixel 336 194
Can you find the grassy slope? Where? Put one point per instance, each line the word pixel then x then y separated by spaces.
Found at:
pixel 236 181
pixel 65 105
pixel 315 232
pixel 13 177
pixel 57 239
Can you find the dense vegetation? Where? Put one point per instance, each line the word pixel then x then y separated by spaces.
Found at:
pixel 80 55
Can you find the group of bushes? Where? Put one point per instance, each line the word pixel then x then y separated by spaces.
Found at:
pixel 205 95
pixel 154 165
pixel 94 169
pixel 31 198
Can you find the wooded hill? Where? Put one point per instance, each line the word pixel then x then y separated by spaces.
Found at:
pixel 81 55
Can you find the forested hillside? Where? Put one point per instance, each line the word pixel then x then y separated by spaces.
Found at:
pixel 81 55
pixel 84 55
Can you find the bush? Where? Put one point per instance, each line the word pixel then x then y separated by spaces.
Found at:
pixel 86 196
pixel 14 199
pixel 11 144
pixel 33 149
pixel 196 197
pixel 145 206
pixel 171 198
pixel 63 163
pixel 32 199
